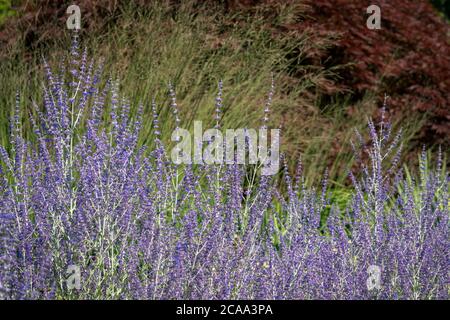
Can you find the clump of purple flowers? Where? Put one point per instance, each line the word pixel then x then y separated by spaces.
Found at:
pixel 140 227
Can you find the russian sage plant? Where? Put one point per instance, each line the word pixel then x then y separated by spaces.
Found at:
pixel 84 193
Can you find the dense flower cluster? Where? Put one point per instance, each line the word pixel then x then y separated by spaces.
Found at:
pixel 139 227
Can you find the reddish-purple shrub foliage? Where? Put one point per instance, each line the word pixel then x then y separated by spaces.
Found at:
pixel 140 227
pixel 408 58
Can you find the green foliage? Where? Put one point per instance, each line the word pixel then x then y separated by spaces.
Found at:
pixel 443 6
pixel 5 10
